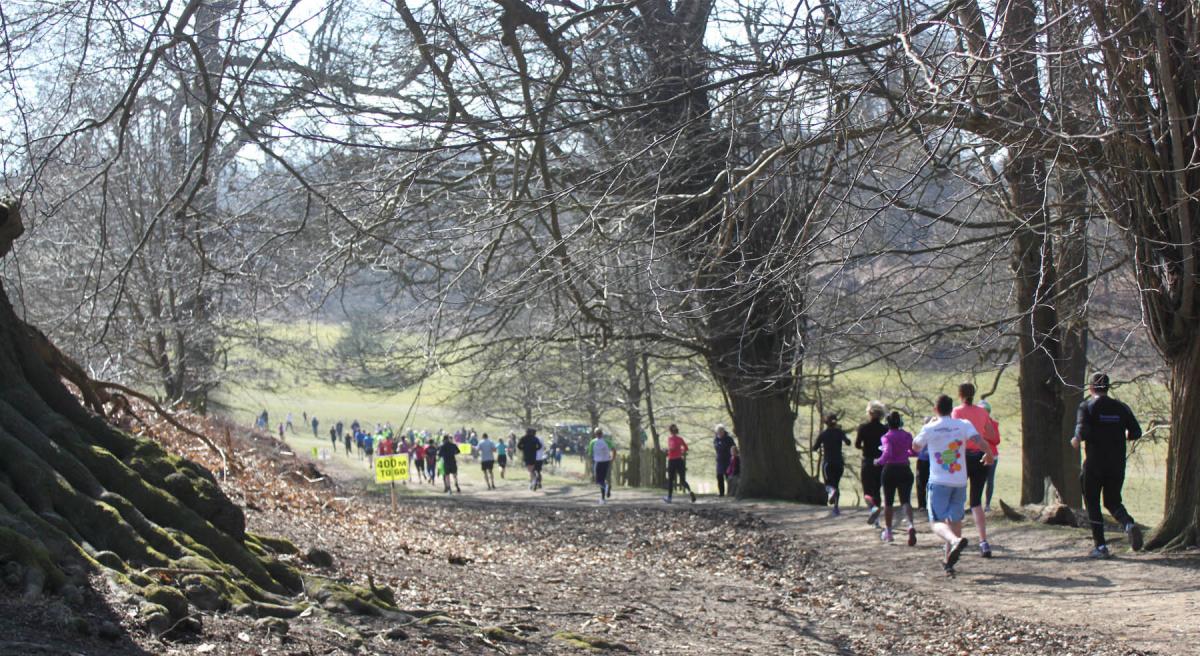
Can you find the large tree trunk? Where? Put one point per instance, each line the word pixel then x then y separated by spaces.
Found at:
pixel 1037 343
pixel 765 428
pixel 1072 268
pixel 1180 526
pixel 1032 259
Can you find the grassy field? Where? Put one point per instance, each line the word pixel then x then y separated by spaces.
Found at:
pixel 912 394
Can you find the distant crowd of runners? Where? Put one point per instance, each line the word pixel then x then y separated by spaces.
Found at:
pixel 956 451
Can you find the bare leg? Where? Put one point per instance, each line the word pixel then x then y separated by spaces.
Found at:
pixel 980 522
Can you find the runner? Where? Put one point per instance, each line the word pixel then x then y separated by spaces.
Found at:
pixel 486 449
pixel 1103 425
pixel 946 438
pixel 315 423
pixel 348 440
pixel 368 445
pixel 991 480
pixel 333 439
pixel 723 442
pixel 540 463
pixel 502 454
pixel 896 476
pixel 829 443
pixel 867 440
pixel 677 450
pixel 529 445
pixel 431 454
pixel 922 478
pixel 977 470
pixel 733 473
pixel 601 451
pixel 418 456
pixel 449 454
pixel 289 423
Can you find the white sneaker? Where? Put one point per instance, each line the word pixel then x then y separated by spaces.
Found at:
pixel 602 501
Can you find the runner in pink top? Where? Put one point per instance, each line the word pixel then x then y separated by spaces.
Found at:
pixel 896 476
pixel 977 472
pixel 677 449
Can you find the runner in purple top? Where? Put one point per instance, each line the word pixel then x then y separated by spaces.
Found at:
pixel 896 476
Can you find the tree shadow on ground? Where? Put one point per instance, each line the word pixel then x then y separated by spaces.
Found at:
pixel 1038 580
pixel 42 626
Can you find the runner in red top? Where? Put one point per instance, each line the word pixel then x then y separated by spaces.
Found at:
pixel 677 450
pixel 977 472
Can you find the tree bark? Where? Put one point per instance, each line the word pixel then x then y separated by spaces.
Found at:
pixel 1180 526
pixel 1072 268
pixel 633 411
pixel 765 428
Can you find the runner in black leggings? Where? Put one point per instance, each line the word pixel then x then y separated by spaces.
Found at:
pixel 867 441
pixel 897 477
pixel 829 444
pixel 677 450
pixel 1103 425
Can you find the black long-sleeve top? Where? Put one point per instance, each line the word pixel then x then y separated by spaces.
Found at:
pixel 1104 424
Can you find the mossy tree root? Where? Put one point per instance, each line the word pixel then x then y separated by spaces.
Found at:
pixel 76 495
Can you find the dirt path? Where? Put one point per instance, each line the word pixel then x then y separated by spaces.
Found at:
pixel 762 577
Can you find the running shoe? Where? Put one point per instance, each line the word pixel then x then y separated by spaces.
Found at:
pixel 886 536
pixel 948 569
pixel 835 513
pixel 985 549
pixel 912 536
pixel 602 501
pixel 457 488
pixel 955 552
pixel 1135 536
pixel 693 496
pixel 666 499
pixel 1101 553
pixel 873 516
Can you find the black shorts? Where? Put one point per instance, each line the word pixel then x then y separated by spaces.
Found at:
pixel 537 465
pixel 897 480
pixel 486 465
pixel 530 462
pixel 677 467
pixel 833 470
pixel 869 475
pixel 502 460
pixel 977 476
pixel 602 471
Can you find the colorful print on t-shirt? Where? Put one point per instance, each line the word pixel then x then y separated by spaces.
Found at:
pixel 948 459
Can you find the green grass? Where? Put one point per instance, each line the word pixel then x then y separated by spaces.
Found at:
pixel 912 394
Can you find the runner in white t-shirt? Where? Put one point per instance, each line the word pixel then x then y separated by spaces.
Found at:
pixel 947 438
pixel 601 450
pixel 487 459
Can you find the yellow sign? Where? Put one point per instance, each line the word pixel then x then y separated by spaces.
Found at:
pixel 391 468
pixel 464 449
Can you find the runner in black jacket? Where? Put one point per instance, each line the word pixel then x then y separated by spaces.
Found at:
pixel 1104 424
